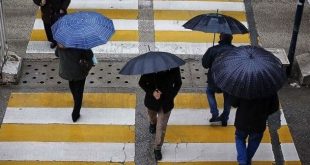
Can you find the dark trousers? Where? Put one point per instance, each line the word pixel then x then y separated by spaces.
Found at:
pixel 77 89
pixel 48 32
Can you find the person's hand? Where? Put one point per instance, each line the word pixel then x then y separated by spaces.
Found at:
pixel 43 2
pixel 157 94
pixel 61 11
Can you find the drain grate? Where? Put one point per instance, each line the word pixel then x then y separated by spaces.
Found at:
pixel 104 74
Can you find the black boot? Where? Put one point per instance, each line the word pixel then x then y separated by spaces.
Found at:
pixel 158 155
pixel 75 116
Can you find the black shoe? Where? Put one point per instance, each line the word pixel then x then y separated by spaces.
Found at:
pixel 214 119
pixel 224 121
pixel 152 128
pixel 158 155
pixel 53 45
pixel 75 117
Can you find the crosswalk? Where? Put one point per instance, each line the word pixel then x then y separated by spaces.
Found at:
pixel 37 129
pixel 169 34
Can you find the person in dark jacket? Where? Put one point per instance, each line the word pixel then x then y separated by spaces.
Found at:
pixel 51 11
pixel 250 123
pixel 160 90
pixel 74 66
pixel 207 60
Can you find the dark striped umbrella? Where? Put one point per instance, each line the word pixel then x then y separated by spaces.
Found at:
pixel 151 62
pixel 83 30
pixel 216 23
pixel 248 72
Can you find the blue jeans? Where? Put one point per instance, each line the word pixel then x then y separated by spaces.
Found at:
pixel 213 104
pixel 246 153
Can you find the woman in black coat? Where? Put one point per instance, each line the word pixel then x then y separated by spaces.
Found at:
pixel 160 90
pixel 51 11
pixel 74 65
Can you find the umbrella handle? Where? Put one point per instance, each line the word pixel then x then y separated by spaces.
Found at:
pixel 213 38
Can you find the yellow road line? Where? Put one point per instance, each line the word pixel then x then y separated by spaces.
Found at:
pixel 214 134
pixel 61 163
pixel 90 100
pixel 195 101
pixel 67 133
pixel 110 13
pixel 195 37
pixel 186 15
pixel 119 35
pixel 226 163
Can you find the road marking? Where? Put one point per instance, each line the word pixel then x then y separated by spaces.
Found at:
pixel 213 134
pixel 226 163
pixel 110 13
pixel 198 5
pixel 173 25
pixel 90 100
pixel 67 151
pixel 202 117
pixel 195 37
pixel 119 24
pixel 62 163
pixel 188 14
pixel 67 133
pixel 197 152
pixel 119 35
pixel 112 48
pixel 63 116
pixel 106 4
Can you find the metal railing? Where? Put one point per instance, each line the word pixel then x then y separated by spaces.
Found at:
pixel 3 39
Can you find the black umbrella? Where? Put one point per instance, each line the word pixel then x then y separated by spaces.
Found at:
pixel 216 23
pixel 151 62
pixel 248 72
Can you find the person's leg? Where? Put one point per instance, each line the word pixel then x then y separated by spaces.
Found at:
pixel 77 89
pixel 49 35
pixel 226 111
pixel 212 103
pixel 161 127
pixel 240 140
pixel 253 143
pixel 153 120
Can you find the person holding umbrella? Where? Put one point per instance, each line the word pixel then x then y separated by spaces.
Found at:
pixel 76 34
pixel 161 81
pixel 51 11
pixel 250 123
pixel 252 75
pixel 207 60
pixel 74 66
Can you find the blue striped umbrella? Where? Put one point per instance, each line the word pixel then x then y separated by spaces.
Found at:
pixel 83 30
pixel 248 72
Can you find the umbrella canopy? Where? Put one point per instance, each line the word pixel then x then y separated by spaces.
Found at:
pixel 151 62
pixel 216 23
pixel 248 72
pixel 83 30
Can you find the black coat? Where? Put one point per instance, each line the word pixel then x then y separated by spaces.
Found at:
pixel 69 63
pixel 168 82
pixel 51 10
pixel 209 57
pixel 252 114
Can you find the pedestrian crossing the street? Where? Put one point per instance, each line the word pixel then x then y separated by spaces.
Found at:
pixel 191 140
pixel 37 130
pixel 169 17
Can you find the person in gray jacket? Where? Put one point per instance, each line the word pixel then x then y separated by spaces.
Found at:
pixel 74 66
